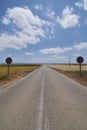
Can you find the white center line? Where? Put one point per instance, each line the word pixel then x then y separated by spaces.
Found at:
pixel 40 110
pixel 40 116
pixel 46 122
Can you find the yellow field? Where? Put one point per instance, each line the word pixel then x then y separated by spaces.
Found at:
pixel 68 68
pixel 16 69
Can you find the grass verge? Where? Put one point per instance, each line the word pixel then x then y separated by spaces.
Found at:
pixel 15 71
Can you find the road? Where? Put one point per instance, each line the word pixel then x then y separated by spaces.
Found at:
pixel 43 100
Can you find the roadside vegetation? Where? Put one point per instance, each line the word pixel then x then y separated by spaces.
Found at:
pixel 15 71
pixel 72 71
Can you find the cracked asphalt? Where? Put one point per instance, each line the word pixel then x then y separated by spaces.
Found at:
pixel 43 100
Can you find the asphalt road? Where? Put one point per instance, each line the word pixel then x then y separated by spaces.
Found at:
pixel 43 100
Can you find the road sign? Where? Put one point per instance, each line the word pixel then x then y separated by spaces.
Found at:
pixel 8 61
pixel 80 60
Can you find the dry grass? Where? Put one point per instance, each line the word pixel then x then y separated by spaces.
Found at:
pixel 69 68
pixel 15 71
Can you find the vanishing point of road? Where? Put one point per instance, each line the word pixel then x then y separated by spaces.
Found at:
pixel 43 100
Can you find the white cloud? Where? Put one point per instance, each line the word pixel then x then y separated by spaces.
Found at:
pixel 60 59
pixel 26 28
pixel 81 46
pixel 29 54
pixel 68 19
pixel 57 50
pixel 81 4
pixel 50 13
pixel 39 7
pixel 6 21
pixel 50 59
pixel 22 17
pixel 16 41
pixel 9 41
pixel 85 4
pixel 76 54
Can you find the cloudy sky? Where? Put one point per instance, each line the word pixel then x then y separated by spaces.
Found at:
pixel 43 31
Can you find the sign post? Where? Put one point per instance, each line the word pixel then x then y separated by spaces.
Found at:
pixel 69 61
pixel 8 61
pixel 80 61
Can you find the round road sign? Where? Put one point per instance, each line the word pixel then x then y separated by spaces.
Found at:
pixel 80 59
pixel 8 60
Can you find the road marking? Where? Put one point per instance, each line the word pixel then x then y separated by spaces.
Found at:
pixel 40 114
pixel 46 122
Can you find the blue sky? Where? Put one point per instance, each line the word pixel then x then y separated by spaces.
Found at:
pixel 43 31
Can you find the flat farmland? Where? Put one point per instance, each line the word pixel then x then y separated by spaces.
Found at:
pixel 15 71
pixel 72 71
pixel 66 67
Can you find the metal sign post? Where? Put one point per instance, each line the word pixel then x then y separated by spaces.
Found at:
pixel 8 61
pixel 69 61
pixel 80 61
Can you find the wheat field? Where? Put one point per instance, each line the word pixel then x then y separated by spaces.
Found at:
pixel 66 67
pixel 15 69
